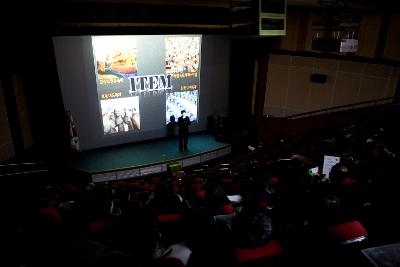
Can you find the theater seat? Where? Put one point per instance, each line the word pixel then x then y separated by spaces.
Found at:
pixel 53 213
pixel 98 226
pixel 135 186
pixel 348 233
pixel 86 252
pixel 350 181
pixel 198 186
pixel 271 250
pixel 171 262
pixel 235 188
pixel 263 203
pixel 274 180
pixel 227 181
pixel 148 187
pixel 226 209
pixel 197 180
pixel 171 226
pixel 169 218
pixel 200 194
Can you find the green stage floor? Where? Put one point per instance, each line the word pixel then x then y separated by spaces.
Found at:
pixel 141 154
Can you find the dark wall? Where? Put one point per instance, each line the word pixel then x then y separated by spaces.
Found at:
pixel 244 53
pixel 28 50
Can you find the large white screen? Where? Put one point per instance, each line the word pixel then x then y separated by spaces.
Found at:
pixel 125 88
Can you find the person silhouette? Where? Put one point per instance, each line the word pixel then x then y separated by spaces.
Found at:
pixel 183 123
pixel 171 127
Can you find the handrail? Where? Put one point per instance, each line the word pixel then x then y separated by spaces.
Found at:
pixel 22 168
pixel 305 114
pixel 21 173
pixel 21 163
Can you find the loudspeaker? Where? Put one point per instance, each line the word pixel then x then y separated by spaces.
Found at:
pixel 222 131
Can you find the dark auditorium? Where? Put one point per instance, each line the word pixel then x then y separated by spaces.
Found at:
pixel 288 112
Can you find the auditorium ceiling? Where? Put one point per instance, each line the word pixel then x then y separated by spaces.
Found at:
pixel 355 4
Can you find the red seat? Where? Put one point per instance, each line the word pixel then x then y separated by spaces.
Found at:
pixel 156 180
pixel 200 194
pixel 198 186
pixel 168 218
pixel 99 226
pixel 135 186
pixel 262 203
pixel 236 187
pixel 349 181
pixel 70 188
pixel 196 180
pixel 148 187
pixel 171 262
pixel 226 209
pixel 274 180
pixel 227 181
pixel 53 212
pixel 349 232
pixel 122 184
pixel 134 195
pixel 272 249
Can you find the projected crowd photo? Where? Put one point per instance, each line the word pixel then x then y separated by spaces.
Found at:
pixel 182 54
pixel 115 58
pixel 120 114
pixel 178 101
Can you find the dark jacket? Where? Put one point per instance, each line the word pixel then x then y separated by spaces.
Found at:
pixel 183 124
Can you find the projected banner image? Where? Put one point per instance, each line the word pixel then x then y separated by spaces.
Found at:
pixel 144 80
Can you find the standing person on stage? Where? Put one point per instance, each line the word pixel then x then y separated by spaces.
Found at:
pixel 183 123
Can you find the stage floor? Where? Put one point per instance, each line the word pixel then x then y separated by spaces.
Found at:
pixel 148 154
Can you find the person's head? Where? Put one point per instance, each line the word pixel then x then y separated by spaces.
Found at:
pixel 183 113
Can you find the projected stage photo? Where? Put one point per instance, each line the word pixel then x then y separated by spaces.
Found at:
pixel 135 72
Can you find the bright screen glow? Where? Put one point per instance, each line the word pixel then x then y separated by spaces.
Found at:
pixel 133 72
pixel 125 88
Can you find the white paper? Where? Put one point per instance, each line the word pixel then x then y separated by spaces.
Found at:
pixel 235 198
pixel 314 171
pixel 179 251
pixel 329 162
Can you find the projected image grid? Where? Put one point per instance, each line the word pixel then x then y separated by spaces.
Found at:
pixel 182 56
pixel 136 83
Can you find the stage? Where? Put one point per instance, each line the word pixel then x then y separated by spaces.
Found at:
pixel 144 158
